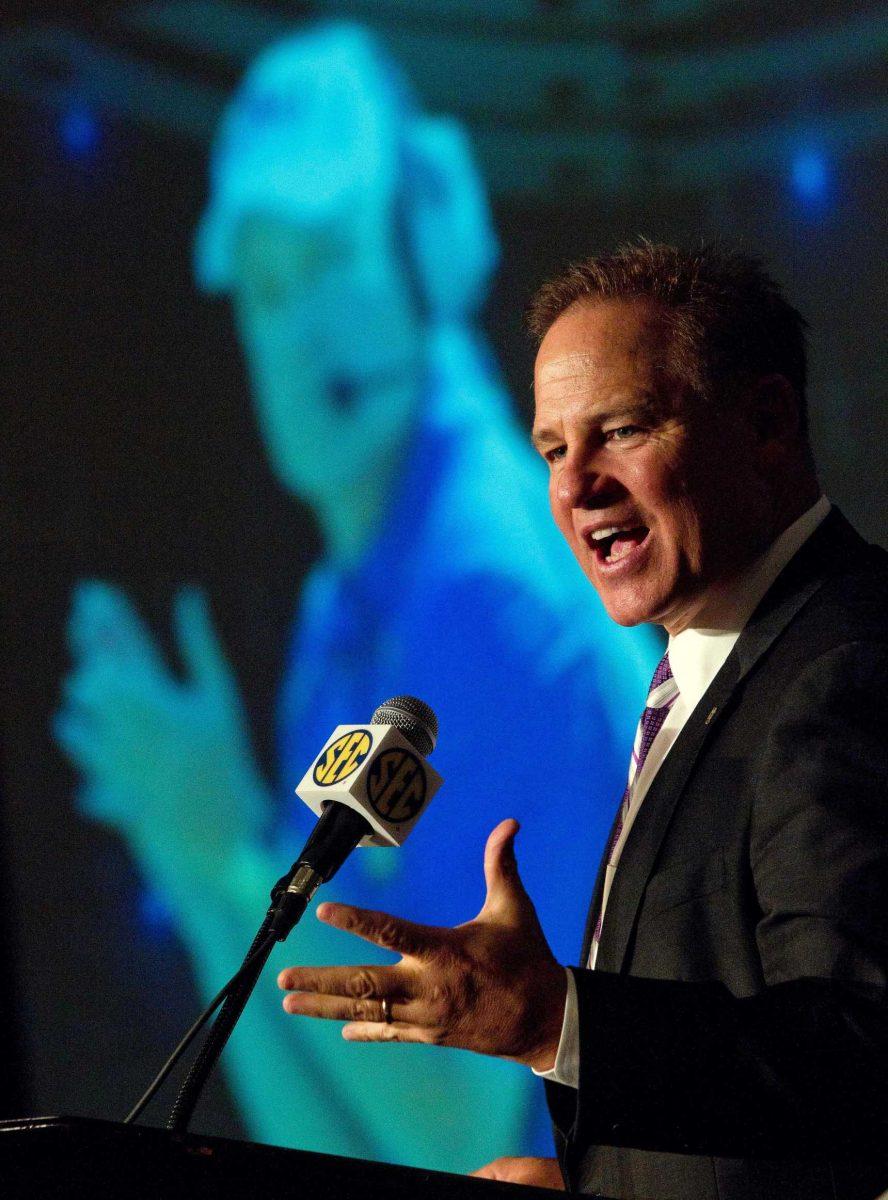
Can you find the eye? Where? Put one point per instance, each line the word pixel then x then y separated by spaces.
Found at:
pixel 555 454
pixel 621 433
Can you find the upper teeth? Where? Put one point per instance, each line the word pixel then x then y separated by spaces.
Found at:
pixel 599 534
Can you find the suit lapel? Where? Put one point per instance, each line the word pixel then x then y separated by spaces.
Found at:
pixel 834 544
pixel 652 821
pixel 598 890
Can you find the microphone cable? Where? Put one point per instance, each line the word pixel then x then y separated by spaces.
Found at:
pixel 418 724
pixel 158 1081
pixel 237 994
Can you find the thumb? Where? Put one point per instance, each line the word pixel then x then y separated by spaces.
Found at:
pixel 504 884
pixel 199 645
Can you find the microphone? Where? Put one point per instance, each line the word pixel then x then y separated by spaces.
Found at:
pixel 369 785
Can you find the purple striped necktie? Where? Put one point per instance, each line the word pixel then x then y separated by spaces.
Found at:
pixel 662 695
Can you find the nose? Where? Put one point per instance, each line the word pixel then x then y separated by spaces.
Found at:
pixel 580 482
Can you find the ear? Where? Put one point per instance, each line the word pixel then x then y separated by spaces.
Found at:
pixel 448 224
pixel 773 411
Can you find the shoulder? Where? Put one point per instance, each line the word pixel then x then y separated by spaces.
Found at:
pixel 849 609
pixel 831 594
pixel 821 692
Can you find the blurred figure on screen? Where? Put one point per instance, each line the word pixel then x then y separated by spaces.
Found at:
pixel 351 234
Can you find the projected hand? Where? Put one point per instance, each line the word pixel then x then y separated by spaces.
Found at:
pixel 491 985
pixel 168 762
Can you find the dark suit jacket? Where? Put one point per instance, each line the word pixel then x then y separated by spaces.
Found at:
pixel 734 1036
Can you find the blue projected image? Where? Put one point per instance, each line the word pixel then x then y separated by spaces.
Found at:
pixel 154 914
pixel 351 234
pixel 810 175
pixel 79 131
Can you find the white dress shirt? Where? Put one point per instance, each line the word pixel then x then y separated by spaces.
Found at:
pixel 695 655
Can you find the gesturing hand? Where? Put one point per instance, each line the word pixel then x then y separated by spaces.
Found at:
pixel 490 985
pixel 166 760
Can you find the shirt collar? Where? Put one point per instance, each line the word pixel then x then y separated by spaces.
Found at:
pixel 697 654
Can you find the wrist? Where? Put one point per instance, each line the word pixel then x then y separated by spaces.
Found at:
pixel 542 1057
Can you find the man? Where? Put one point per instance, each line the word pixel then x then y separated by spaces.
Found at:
pixel 351 233
pixel 727 1033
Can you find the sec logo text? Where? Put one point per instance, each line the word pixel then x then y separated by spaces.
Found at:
pixel 342 757
pixel 396 785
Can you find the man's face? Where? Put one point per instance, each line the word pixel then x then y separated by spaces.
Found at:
pixel 658 493
pixel 332 344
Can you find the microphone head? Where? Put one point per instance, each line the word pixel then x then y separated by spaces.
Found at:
pixel 413 718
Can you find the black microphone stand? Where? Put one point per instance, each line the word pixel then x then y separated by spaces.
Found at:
pixel 193 1084
pixel 328 846
pixel 290 897
pixel 232 997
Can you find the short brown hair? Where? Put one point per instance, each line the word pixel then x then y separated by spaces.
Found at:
pixel 728 321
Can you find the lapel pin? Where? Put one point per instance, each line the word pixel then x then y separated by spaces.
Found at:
pixel 712 713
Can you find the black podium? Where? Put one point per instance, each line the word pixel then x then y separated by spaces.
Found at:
pixel 69 1158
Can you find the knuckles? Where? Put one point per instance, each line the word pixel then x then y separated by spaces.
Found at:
pixel 364 1010
pixel 360 985
pixel 388 932
pixel 343 917
pixel 443 1003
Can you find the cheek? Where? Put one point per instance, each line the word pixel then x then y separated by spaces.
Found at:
pixel 375 332
pixel 560 511
pixel 684 535
pixel 669 491
pixel 290 401
pixel 278 360
pixel 577 548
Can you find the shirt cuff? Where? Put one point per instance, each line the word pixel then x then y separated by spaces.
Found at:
pixel 567 1060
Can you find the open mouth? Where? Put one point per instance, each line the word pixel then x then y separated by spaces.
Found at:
pixel 610 545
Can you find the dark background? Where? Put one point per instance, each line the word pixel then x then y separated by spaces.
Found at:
pixel 129 451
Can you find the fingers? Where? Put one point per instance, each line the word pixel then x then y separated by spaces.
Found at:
pixel 97 683
pixel 101 698
pixel 102 802
pixel 500 866
pixel 375 1031
pixel 104 622
pixel 366 997
pixel 357 983
pixel 499 854
pixel 382 929
pixel 76 737
pixel 199 644
pixel 343 1008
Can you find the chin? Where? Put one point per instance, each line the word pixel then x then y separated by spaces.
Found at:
pixel 628 617
pixel 627 611
pixel 638 605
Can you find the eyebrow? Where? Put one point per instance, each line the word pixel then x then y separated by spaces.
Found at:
pixel 645 406
pixel 539 438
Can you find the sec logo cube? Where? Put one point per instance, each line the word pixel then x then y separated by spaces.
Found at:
pixel 374 770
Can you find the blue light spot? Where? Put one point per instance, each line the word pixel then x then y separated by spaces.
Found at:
pixel 155 915
pixel 810 176
pixel 79 132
